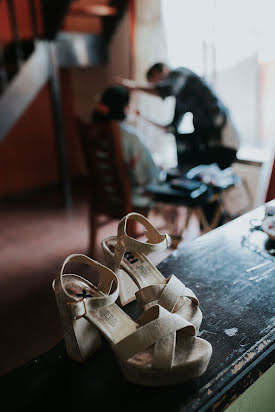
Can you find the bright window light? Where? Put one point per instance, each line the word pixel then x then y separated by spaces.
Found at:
pixel 230 44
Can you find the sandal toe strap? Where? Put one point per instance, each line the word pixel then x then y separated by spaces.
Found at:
pixel 158 328
pixel 167 295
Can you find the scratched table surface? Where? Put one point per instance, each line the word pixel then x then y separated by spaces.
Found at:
pixel 233 275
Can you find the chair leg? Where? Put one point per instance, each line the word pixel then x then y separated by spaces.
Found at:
pixel 202 220
pixel 207 227
pixel 133 225
pixel 188 218
pixel 132 228
pixel 92 234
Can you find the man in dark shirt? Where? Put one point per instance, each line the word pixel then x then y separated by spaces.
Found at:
pixel 211 119
pixel 192 95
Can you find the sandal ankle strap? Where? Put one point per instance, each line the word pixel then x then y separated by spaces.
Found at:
pixel 157 242
pixel 108 280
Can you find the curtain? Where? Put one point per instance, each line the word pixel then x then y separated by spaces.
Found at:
pixel 150 47
pixel 150 44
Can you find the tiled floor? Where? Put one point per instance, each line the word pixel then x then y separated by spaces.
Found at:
pixel 36 235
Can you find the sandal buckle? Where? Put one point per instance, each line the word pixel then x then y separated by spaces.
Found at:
pixel 168 240
pixel 78 308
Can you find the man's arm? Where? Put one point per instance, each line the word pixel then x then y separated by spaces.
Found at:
pixel 134 86
pixel 150 89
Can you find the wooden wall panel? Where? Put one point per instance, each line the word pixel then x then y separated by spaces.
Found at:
pixel 82 24
pixel 28 153
pixel 5 26
pixel 23 18
pixel 39 17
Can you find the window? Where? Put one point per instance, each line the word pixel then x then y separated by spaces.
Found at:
pixel 230 43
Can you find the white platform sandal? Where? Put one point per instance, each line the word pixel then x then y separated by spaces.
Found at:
pixel 158 349
pixel 138 276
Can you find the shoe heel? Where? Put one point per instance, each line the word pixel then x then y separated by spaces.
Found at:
pixel 109 261
pixel 81 338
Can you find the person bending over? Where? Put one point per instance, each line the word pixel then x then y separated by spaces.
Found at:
pixel 212 122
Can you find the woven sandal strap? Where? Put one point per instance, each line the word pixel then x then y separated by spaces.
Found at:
pixel 151 333
pixel 171 293
pixel 166 295
pixel 108 281
pixel 149 294
pixel 157 241
pixel 164 352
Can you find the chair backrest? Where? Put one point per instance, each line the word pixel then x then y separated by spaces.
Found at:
pixel 108 178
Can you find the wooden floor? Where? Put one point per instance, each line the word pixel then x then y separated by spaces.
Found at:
pixel 37 233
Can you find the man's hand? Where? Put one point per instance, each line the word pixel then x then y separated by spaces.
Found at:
pixel 132 85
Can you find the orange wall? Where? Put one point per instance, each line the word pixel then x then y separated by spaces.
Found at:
pixel 5 27
pixel 89 82
pixel 23 19
pixel 28 153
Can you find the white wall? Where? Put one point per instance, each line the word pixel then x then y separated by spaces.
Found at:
pixel 88 83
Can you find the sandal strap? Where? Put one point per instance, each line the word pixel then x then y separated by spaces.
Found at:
pixel 157 242
pixel 107 282
pixel 166 295
pixel 157 324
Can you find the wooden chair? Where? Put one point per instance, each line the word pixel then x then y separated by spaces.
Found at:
pixel 109 186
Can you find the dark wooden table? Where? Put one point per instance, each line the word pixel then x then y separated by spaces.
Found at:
pixel 234 280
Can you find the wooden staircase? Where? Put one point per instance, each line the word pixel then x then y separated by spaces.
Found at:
pixel 88 16
pixel 37 38
pixel 27 24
